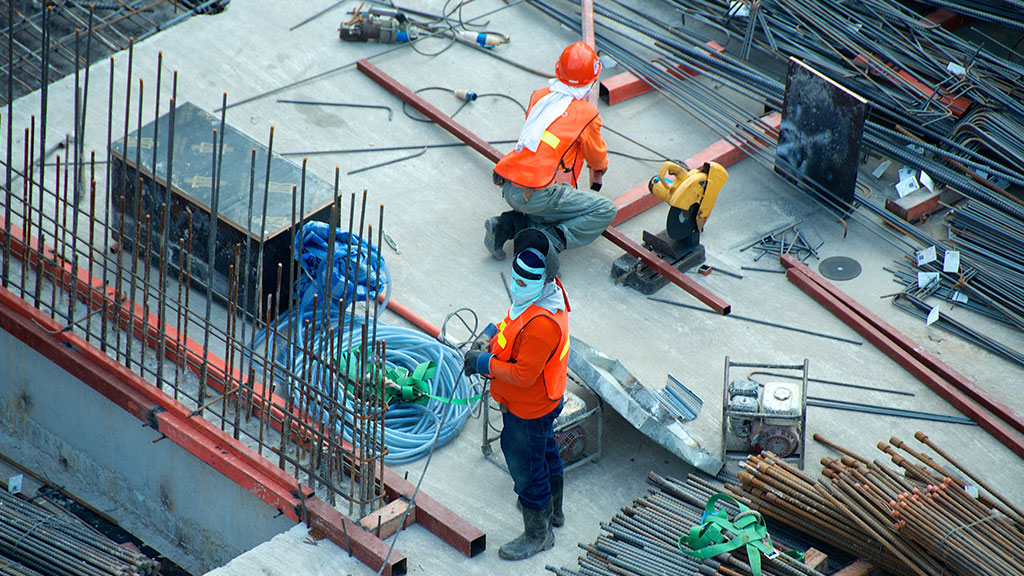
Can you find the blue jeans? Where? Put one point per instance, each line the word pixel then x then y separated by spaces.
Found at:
pixel 581 215
pixel 532 456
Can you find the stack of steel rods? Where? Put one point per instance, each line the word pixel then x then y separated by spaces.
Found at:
pixel 916 519
pixel 60 545
pixel 994 243
pixel 1004 12
pixel 643 539
pixel 103 27
pixel 649 47
pixel 649 50
pixel 911 303
pixel 868 46
pixel 949 287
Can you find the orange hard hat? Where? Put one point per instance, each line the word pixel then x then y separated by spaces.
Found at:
pixel 578 65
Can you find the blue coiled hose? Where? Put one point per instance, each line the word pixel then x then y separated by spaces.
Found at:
pixel 408 428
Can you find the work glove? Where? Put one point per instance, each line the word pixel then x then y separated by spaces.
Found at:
pixel 484 339
pixel 596 178
pixel 477 362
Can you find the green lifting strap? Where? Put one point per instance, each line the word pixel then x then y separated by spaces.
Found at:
pixel 403 386
pixel 747 529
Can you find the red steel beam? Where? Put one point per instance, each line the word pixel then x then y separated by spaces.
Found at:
pixel 961 382
pixel 665 269
pixel 145 402
pixel 428 110
pixel 196 435
pixel 951 21
pixel 724 152
pixel 910 356
pixel 444 523
pixel 626 85
pixel 900 78
pixel 631 247
pixel 431 513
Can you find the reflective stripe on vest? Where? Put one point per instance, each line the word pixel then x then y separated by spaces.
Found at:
pixel 540 169
pixel 554 372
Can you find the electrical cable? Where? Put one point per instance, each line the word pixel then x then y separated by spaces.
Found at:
pixel 465 101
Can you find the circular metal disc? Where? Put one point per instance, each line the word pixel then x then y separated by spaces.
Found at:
pixel 679 226
pixel 839 268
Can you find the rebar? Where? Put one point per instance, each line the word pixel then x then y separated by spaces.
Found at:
pixel 909 523
pixel 60 261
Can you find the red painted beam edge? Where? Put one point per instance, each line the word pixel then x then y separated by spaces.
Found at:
pixel 638 200
pixel 101 373
pixel 950 21
pixel 428 110
pixel 325 520
pixel 626 85
pixel 661 267
pixel 451 527
pixel 957 399
pixel 893 74
pixel 429 509
pixel 961 382
pixel 406 95
pixel 198 436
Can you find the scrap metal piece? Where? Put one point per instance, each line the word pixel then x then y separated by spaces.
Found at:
pixel 839 268
pixel 640 406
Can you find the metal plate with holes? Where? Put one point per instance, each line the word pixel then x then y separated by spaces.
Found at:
pixel 839 268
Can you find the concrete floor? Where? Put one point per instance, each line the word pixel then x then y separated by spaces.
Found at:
pixel 435 206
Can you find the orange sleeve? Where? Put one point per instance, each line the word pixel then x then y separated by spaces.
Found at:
pixel 595 151
pixel 534 346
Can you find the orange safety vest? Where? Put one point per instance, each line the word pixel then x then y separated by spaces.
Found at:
pixel 527 402
pixel 558 157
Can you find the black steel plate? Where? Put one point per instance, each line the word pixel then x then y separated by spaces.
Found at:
pixel 839 268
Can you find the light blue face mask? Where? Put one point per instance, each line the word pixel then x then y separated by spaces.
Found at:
pixel 528 291
pixel 524 295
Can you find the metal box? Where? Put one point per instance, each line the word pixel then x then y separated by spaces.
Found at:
pixel 139 175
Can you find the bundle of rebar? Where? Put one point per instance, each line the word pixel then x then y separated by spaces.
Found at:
pixel 918 519
pixel 643 539
pixel 788 240
pixel 651 49
pixel 78 33
pixel 1004 12
pixel 60 545
pixel 989 279
pixel 994 244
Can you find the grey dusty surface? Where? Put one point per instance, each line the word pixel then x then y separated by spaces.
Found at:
pixel 435 206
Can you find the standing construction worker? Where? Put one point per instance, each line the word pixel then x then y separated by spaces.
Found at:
pixel 538 178
pixel 527 357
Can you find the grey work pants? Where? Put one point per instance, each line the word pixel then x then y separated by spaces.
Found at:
pixel 581 215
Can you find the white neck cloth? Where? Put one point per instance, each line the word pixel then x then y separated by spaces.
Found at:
pixel 546 111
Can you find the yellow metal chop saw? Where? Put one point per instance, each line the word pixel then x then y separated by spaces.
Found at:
pixel 691 196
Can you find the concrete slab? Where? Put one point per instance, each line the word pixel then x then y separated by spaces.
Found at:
pixel 435 206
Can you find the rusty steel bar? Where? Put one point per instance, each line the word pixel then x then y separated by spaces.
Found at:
pixel 632 248
pixel 994 417
pixel 430 111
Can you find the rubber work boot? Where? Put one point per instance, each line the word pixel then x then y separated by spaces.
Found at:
pixel 497 231
pixel 557 517
pixel 536 537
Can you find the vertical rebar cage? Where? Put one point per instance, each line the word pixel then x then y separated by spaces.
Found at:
pixel 97 252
